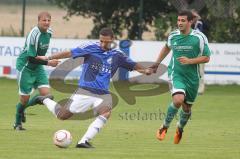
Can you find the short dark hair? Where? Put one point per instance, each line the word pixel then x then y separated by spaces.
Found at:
pixel 106 32
pixel 187 13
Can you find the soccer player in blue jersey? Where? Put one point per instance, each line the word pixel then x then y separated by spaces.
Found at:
pixel 100 63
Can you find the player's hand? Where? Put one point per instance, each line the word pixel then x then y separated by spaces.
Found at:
pixel 184 60
pixel 53 63
pixel 154 67
pixel 42 58
pixel 148 71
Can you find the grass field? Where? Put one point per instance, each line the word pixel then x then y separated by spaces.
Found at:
pixel 213 132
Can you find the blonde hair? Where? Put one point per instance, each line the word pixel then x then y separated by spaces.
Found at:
pixel 44 14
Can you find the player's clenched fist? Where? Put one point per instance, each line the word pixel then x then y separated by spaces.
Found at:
pixel 53 63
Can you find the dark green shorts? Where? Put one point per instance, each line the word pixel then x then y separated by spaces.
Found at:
pixel 29 80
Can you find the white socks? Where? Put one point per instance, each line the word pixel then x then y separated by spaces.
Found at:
pixel 51 105
pixel 93 129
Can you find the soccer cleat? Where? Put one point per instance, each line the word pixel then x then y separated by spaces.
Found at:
pixel 39 99
pixel 178 135
pixel 18 127
pixel 161 133
pixel 84 145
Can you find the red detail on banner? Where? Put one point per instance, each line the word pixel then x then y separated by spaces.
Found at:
pixel 6 70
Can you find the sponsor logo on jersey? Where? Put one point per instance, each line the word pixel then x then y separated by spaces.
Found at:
pixel 43 46
pixel 109 61
pixel 183 48
pixel 101 67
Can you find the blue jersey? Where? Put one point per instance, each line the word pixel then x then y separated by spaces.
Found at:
pixel 99 66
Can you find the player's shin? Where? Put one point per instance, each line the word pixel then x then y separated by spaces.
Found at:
pixel 19 111
pixel 93 129
pixel 32 101
pixel 184 117
pixel 171 112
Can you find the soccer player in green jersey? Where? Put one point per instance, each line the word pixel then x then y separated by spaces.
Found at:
pixel 189 49
pixel 31 73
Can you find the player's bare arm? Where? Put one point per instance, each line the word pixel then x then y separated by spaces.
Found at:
pixel 53 63
pixel 163 53
pixel 202 59
pixel 142 69
pixel 60 55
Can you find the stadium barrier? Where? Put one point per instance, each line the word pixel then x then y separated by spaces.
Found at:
pixel 223 68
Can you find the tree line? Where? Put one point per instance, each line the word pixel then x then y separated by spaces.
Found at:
pixel 137 16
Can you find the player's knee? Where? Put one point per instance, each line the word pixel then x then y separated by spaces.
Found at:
pixel 44 91
pixel 104 111
pixel 178 102
pixel 24 101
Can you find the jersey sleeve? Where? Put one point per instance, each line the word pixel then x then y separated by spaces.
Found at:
pixel 81 50
pixel 125 62
pixel 206 50
pixel 170 37
pixel 32 42
pixel 204 47
pixel 32 51
pixel 168 42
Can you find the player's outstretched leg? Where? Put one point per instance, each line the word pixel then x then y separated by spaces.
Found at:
pixel 20 112
pixel 48 101
pixel 60 111
pixel 40 99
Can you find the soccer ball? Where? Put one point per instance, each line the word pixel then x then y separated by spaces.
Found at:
pixel 62 138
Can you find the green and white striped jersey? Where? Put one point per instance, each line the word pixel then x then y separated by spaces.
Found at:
pixel 192 45
pixel 36 44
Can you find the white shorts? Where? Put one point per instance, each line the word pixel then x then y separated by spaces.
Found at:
pixel 83 101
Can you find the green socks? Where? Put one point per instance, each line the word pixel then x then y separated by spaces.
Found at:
pixel 31 101
pixel 171 112
pixel 184 117
pixel 19 111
